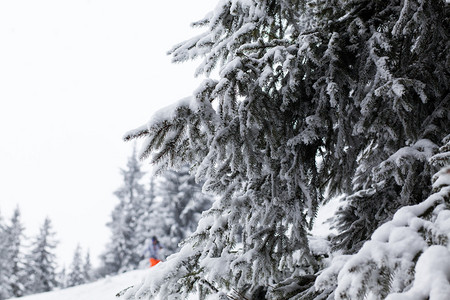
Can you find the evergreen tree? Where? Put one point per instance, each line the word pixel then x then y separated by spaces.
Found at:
pixel 313 98
pixel 61 278
pixel 402 105
pixel 149 218
pixel 406 258
pixel 41 262
pixel 16 259
pixel 178 213
pixel 87 268
pixel 5 266
pixel 122 251
pixel 76 275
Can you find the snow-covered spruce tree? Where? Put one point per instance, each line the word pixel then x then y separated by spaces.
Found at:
pixel 5 266
pixel 176 216
pixel 404 105
pixel 88 273
pixel 407 257
pixel 41 261
pixel 312 97
pixel 13 275
pixel 61 278
pixel 148 219
pixel 16 258
pixel 76 274
pixel 122 250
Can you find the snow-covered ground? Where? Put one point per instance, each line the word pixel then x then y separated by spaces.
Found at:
pixel 104 289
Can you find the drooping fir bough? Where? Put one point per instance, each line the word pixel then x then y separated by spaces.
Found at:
pixel 312 99
pixel 407 257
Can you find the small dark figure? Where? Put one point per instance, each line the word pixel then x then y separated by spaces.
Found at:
pixel 154 250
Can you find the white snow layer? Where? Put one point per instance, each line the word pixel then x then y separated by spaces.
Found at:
pixel 166 113
pixel 432 276
pixel 393 246
pixel 104 289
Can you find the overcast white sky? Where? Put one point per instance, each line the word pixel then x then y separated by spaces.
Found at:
pixel 75 75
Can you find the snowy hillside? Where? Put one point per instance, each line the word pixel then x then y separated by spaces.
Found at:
pixel 104 289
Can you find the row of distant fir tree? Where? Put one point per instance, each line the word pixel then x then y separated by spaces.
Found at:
pixel 30 268
pixel 169 207
pixel 166 205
